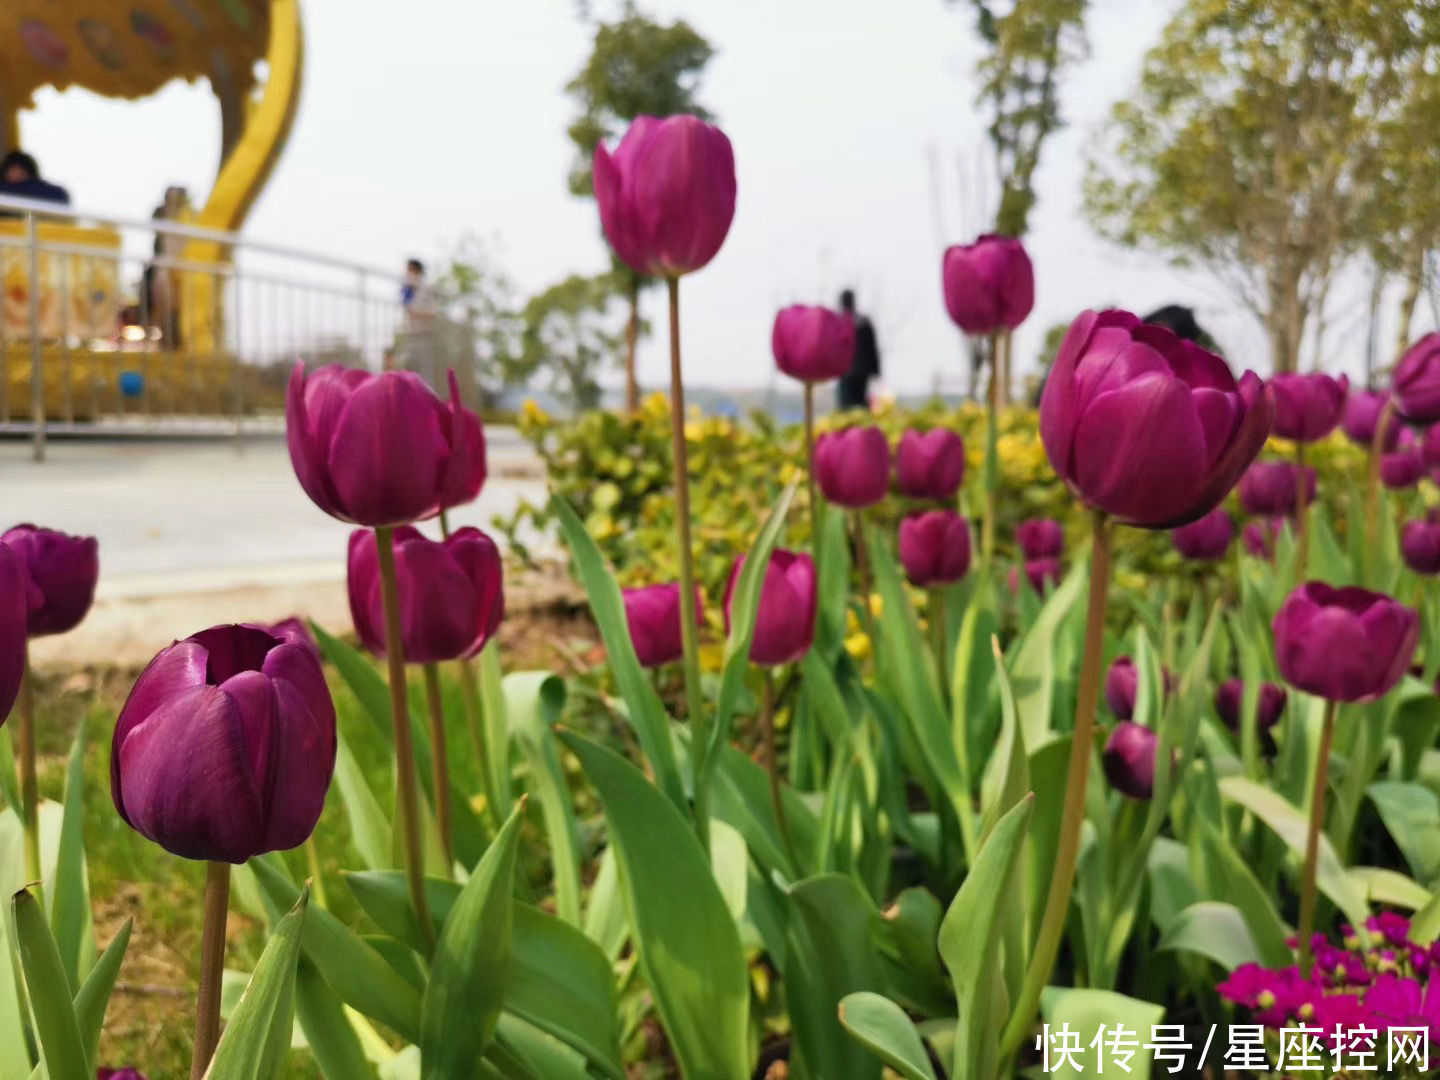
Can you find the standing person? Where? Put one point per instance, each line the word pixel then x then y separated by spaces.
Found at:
pixel 20 179
pixel 854 388
pixel 417 345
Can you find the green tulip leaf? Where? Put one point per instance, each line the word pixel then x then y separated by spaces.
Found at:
pixel 56 1026
pixel 882 1027
pixel 1087 1011
pixel 94 996
pixel 1411 813
pixel 1213 930
pixel 329 1033
pixel 70 898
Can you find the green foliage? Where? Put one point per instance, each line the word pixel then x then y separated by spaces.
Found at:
pixel 483 320
pixel 571 335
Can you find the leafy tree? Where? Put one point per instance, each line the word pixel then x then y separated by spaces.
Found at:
pixel 636 67
pixel 570 334
pixel 481 324
pixel 1256 141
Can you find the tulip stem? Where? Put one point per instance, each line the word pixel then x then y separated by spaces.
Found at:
pixel 699 722
pixel 441 762
pixel 938 636
pixel 1057 903
pixel 772 760
pixel 999 342
pixel 470 697
pixel 1372 479
pixel 317 880
pixel 810 468
pixel 1302 517
pixel 862 568
pixel 409 803
pixel 29 782
pixel 212 967
pixel 1312 837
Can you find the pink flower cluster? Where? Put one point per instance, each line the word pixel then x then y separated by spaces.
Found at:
pixel 1392 983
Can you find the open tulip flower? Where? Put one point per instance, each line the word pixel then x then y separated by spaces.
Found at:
pixel 1417 381
pixel 1272 488
pixel 666 194
pixel 789 600
pixel 1040 538
pixel 812 344
pixel 1143 425
pixel 1308 407
pixel 15 597
pixel 1420 544
pixel 989 285
pixel 1207 539
pixel 852 466
pixel 381 449
pixel 652 613
pixel 225 747
pixel 930 464
pixel 1345 644
pixel 452 593
pixel 63 570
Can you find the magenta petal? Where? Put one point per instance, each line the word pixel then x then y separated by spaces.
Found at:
pixel 14 613
pixel 1219 415
pixel 363 581
pixel 437 604
pixel 388 452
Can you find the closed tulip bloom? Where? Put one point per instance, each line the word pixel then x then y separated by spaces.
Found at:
pixel 1417 381
pixel 930 464
pixel 16 594
pixel 785 619
pixel 666 194
pixel 120 1074
pixel 294 629
pixel 381 449
pixel 1122 684
pixel 1206 539
pixel 1270 488
pixel 63 569
pixel 1361 418
pixel 1307 407
pixel 852 466
pixel 813 344
pixel 1345 644
pixel 1420 544
pixel 1038 572
pixel 1430 446
pixel 1145 426
pixel 1040 538
pixel 935 547
pixel 1405 465
pixel 1259 537
pixel 989 285
pixel 452 593
pixel 225 747
pixel 1230 699
pixel 653 615
pixel 1129 759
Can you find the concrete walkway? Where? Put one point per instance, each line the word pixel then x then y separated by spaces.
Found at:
pixel 197 533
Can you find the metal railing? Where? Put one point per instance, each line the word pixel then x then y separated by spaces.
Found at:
pixel 115 325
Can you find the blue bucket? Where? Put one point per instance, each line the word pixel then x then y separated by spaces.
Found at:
pixel 132 383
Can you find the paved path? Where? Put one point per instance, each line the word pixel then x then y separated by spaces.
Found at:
pixel 197 533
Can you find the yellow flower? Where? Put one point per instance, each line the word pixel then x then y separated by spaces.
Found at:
pixel 712 657
pixel 533 413
pixel 858 645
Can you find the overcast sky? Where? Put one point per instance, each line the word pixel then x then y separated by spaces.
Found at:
pixel 426 120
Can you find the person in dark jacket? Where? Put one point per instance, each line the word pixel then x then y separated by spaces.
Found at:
pixel 20 179
pixel 1180 321
pixel 854 389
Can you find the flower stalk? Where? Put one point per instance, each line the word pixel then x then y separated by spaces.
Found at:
pixel 440 762
pixel 212 967
pixel 1312 837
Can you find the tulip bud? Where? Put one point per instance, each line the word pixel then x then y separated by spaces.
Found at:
pixel 225 747
pixel 381 449
pixel 1040 538
pixel 452 593
pixel 1259 537
pixel 935 547
pixel 989 285
pixel 813 344
pixel 852 466
pixel 1307 407
pixel 119 1074
pixel 667 194
pixel 930 464
pixel 1230 698
pixel 1361 418
pixel 63 569
pixel 1122 685
pixel 1129 759
pixel 1206 539
pixel 1345 644
pixel 1145 426
pixel 653 615
pixel 1405 465
pixel 16 593
pixel 1417 381
pixel 1420 544
pixel 785 619
pixel 1038 572
pixel 1271 488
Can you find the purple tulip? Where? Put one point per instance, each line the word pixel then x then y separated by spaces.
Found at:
pixel 785 619
pixel 813 344
pixel 930 464
pixel 1420 544
pixel 1404 466
pixel 1345 644
pixel 16 594
pixel 667 194
pixel 1129 759
pixel 1040 538
pixel 225 747
pixel 1362 418
pixel 1259 537
pixel 1271 488
pixel 852 466
pixel 1206 539
pixel 1417 381
pixel 1146 426
pixel 295 629
pixel 381 449
pixel 1122 685
pixel 989 285
pixel 1308 407
pixel 935 547
pixel 1430 446
pixel 119 1074
pixel 653 615
pixel 1230 698
pixel 63 568
pixel 1038 572
pixel 452 593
